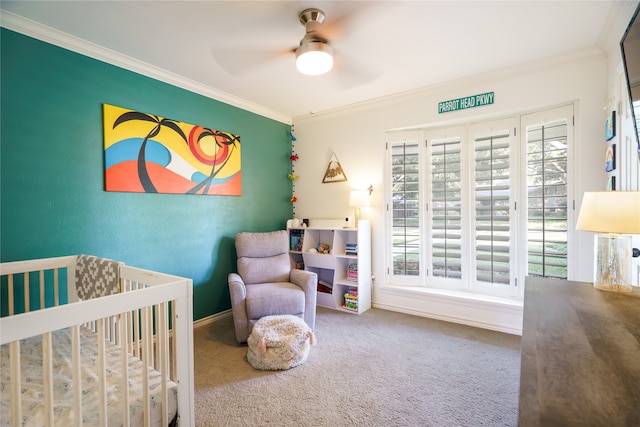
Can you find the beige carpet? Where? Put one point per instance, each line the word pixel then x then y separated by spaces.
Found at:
pixel 377 369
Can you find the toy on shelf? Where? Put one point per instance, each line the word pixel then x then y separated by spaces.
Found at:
pixel 323 248
pixel 351 299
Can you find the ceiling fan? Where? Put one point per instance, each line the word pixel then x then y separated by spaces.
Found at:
pixel 320 43
pixel 315 54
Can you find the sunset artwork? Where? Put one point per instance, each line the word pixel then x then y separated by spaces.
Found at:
pixel 144 153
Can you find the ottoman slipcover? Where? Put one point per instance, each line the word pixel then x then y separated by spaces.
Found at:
pixel 279 342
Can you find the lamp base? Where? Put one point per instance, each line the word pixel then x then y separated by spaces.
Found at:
pixel 357 216
pixel 613 263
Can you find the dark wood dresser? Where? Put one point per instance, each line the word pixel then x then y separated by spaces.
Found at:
pixel 580 356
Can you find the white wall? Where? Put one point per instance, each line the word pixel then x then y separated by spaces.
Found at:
pixel 356 136
pixel 593 79
pixel 627 171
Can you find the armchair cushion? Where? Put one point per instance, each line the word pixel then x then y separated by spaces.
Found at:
pixel 267 269
pixel 274 298
pixel 260 245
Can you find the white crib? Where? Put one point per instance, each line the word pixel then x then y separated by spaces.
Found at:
pixel 83 362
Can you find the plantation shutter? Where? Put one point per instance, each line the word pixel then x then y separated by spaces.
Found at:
pixel 446 208
pixel 492 207
pixel 405 238
pixel 546 137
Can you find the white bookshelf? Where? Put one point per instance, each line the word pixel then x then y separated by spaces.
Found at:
pixel 336 269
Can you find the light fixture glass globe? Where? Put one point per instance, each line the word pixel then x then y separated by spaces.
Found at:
pixel 314 58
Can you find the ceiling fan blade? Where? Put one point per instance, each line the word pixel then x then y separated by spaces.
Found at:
pixel 241 60
pixel 351 72
pixel 276 22
pixel 340 16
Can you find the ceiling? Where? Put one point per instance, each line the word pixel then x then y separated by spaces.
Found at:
pixel 245 48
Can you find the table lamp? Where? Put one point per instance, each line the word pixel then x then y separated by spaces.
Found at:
pixel 358 199
pixel 613 215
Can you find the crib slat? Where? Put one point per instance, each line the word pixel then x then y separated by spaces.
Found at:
pixel 137 333
pixel 128 339
pixel 77 375
pixel 41 283
pixel 172 340
pixel 10 295
pixel 16 383
pixel 125 378
pixel 136 328
pixel 56 287
pixel 27 304
pixel 163 356
pixel 102 373
pixel 47 380
pixel 147 348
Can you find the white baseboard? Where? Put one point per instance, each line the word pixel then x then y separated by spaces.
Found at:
pixel 494 314
pixel 497 315
pixel 205 321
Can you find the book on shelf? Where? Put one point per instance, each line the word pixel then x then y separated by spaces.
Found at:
pixel 351 248
pixel 325 287
pixel 296 238
pixel 352 272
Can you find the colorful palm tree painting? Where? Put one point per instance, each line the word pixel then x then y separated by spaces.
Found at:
pixel 149 154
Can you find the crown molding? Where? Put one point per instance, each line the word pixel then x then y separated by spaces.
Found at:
pixel 61 39
pixel 590 54
pixel 616 24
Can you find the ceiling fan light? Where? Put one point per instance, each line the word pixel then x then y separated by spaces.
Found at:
pixel 314 58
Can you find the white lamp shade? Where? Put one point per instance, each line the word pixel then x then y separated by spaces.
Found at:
pixel 359 198
pixel 610 212
pixel 314 58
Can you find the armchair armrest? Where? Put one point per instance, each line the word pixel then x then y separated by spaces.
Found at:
pixel 237 288
pixel 238 294
pixel 308 281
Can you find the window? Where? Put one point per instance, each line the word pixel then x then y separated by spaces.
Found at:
pixel 446 208
pixel 490 214
pixel 546 138
pixel 492 203
pixel 405 211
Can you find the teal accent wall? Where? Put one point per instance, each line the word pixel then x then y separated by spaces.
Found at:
pixel 52 198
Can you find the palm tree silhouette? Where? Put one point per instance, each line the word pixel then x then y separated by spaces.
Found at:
pixel 222 139
pixel 143 174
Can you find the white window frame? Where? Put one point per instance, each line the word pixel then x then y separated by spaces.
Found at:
pixel 437 135
pixel 518 202
pixel 393 138
pixel 549 116
pixel 494 127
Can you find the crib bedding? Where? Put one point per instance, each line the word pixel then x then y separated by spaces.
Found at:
pixel 33 411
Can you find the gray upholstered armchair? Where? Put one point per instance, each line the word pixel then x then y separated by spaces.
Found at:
pixel 266 284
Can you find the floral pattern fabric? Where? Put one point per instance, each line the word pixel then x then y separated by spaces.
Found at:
pixel 33 411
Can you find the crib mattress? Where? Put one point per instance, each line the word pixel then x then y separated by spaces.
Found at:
pixel 33 411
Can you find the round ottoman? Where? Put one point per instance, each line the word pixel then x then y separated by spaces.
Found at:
pixel 279 342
